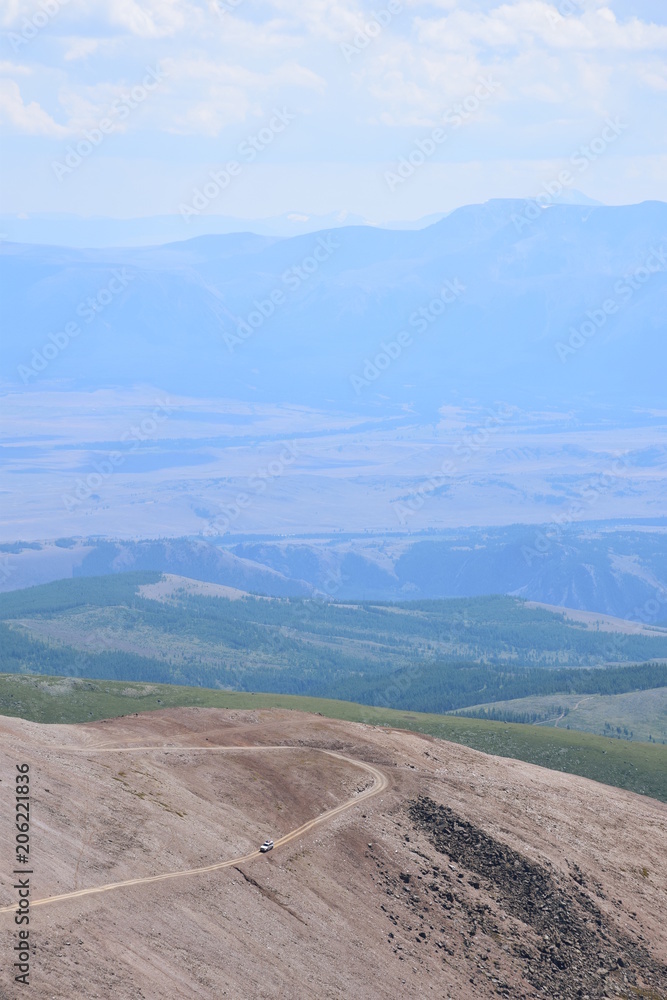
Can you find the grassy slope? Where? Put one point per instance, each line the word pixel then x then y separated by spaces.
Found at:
pixel 642 712
pixel 638 767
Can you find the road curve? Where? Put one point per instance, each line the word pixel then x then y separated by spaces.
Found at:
pixel 379 784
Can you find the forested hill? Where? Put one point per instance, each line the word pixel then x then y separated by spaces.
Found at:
pixel 435 655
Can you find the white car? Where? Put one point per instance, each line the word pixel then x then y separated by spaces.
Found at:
pixel 266 846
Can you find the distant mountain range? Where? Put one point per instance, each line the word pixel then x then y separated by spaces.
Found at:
pixel 601 567
pixel 503 365
pixel 96 231
pixel 65 229
pixel 502 300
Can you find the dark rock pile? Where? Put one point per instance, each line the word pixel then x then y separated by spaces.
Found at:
pixel 562 945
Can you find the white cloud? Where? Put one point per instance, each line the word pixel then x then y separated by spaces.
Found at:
pixel 201 68
pixel 530 22
pixel 654 74
pixel 11 11
pixel 416 86
pixel 14 69
pixel 256 39
pixel 81 48
pixel 559 75
pixel 31 118
pixel 588 60
pixel 205 95
pixel 84 106
pixel 334 20
pixel 150 18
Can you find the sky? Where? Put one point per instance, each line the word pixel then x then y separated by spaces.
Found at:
pixel 254 108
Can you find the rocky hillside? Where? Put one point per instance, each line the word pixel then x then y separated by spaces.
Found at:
pixel 466 876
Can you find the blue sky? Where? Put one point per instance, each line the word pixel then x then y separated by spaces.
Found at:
pixel 515 89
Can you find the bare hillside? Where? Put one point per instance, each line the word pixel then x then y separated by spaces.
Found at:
pixel 443 872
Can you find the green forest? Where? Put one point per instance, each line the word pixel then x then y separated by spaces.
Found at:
pixel 434 656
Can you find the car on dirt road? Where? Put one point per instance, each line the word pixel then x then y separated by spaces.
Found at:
pixel 266 846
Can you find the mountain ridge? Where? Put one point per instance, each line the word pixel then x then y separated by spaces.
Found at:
pixel 521 287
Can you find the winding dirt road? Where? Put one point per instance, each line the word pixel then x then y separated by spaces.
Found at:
pixel 379 784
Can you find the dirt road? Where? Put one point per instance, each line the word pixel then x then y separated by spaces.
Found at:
pixel 379 784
